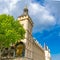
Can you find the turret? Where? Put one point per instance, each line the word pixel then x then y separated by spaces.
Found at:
pixel 27 23
pixel 47 52
pixel 25 10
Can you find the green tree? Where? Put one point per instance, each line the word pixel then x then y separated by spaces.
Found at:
pixel 10 30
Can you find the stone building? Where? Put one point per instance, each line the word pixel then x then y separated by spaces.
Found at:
pixel 33 50
pixel 47 52
pixel 29 48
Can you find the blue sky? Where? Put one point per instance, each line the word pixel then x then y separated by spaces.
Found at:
pixel 46 18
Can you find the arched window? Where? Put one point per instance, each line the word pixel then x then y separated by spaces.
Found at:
pixel 20 49
pixel 4 52
pixel 12 51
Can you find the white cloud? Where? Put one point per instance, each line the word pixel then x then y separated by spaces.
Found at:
pixel 9 5
pixel 12 4
pixel 5 11
pixel 41 17
pixel 54 7
pixel 47 18
pixel 51 0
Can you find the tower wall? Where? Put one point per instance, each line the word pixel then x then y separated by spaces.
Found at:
pixel 33 51
pixel 27 24
pixel 47 53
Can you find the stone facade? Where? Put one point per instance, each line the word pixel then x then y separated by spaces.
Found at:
pixel 47 53
pixel 29 48
pixel 33 51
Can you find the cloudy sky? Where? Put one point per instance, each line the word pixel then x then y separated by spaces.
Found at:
pixel 46 18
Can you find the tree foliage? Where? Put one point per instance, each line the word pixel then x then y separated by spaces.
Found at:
pixel 10 30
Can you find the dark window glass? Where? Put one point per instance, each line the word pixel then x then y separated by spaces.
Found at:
pixel 20 49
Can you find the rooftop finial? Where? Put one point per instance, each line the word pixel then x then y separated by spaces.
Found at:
pixel 25 7
pixel 25 10
pixel 45 47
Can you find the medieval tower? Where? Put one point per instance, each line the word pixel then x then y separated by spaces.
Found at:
pixel 27 23
pixel 33 50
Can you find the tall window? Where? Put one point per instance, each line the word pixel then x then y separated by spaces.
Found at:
pixel 4 52
pixel 20 49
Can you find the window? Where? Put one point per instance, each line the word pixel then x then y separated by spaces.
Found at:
pixel 20 49
pixel 4 52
